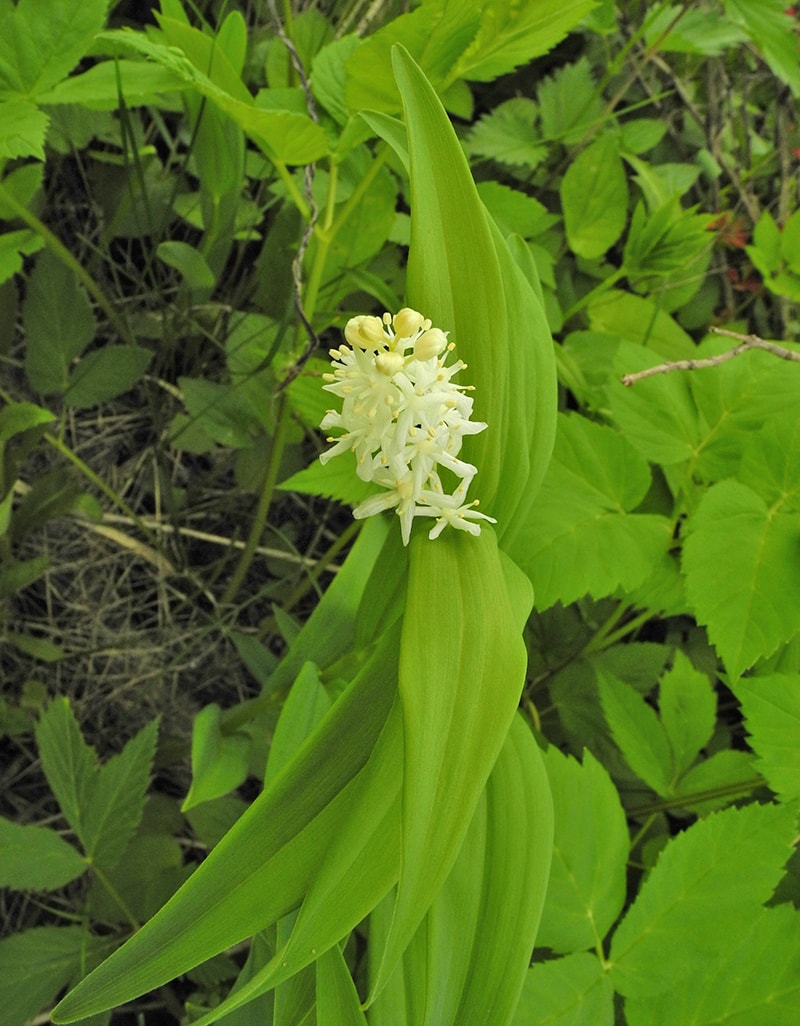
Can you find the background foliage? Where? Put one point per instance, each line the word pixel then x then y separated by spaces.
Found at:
pixel 165 534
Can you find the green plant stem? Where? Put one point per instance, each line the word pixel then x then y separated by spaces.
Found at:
pixel 308 581
pixel 64 255
pixel 265 499
pixel 683 801
pixel 296 196
pixel 116 897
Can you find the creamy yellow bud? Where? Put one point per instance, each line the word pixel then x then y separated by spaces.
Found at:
pixel 430 343
pixel 407 322
pixel 389 363
pixel 365 332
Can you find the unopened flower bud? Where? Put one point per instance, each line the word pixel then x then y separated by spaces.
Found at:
pixel 430 343
pixel 389 363
pixel 365 332
pixel 407 322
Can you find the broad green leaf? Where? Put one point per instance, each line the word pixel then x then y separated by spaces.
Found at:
pixel 594 198
pixel 42 40
pixel 59 324
pixel 586 891
pixel 700 898
pixel 189 261
pixel 17 418
pixel 657 415
pixel 334 480
pixel 101 87
pixel 664 241
pixel 771 28
pixel 266 863
pixel 717 781
pixel 69 764
pixel 758 982
pixel 37 964
pixel 338 1003
pixel 106 373
pixel 34 858
pixel 688 708
pixel 459 686
pixel 581 538
pixel 22 129
pixel 117 797
pixel 770 462
pixel 638 732
pixel 468 959
pixel 640 320
pixel 508 134
pixel 283 136
pixel 462 275
pixel 771 707
pixel 742 568
pixel 328 76
pixel 569 103
pixel 570 991
pixel 514 212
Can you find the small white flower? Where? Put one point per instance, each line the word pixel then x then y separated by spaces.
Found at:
pixel 404 418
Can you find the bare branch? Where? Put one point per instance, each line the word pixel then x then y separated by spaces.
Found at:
pixel 746 342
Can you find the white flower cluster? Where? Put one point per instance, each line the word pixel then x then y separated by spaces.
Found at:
pixel 404 419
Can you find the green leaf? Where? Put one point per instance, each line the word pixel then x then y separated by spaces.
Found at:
pixel 13 246
pixel 462 275
pixel 37 964
pixel 664 241
pixel 742 569
pixel 101 87
pixel 16 418
pixel 22 129
pixel 215 408
pixel 59 324
pixel 459 687
pixel 266 863
pixel 771 28
pixel 717 781
pixel 586 891
pixel 116 800
pixel 35 858
pixel 106 373
pixel 508 134
pixel 572 991
pixel 594 198
pixel 688 708
pixel 703 893
pixel 638 732
pixel 304 708
pixel 334 480
pixel 42 40
pixel 283 136
pixel 338 1003
pixel 191 264
pixel 640 320
pixel 69 764
pixel 580 538
pixel 513 211
pixel 771 706
pixel 759 981
pixel 570 103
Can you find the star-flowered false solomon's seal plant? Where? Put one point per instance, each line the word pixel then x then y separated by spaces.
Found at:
pixel 418 799
pixel 405 419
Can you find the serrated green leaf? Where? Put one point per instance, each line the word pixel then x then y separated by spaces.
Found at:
pixel 42 40
pixel 717 781
pixel 569 103
pixel 34 858
pixel 508 134
pixel 117 797
pixel 100 88
pixel 640 320
pixel 688 708
pixel 333 480
pixel 513 211
pixel 570 991
pixel 106 373
pixel 580 538
pixel 586 891
pixel 283 136
pixel 701 896
pixel 757 982
pixel 771 707
pixel 638 732
pixel 37 964
pixel 770 27
pixel 664 241
pixel 742 569
pixel 594 198
pixel 69 764
pixel 59 324
pixel 22 129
